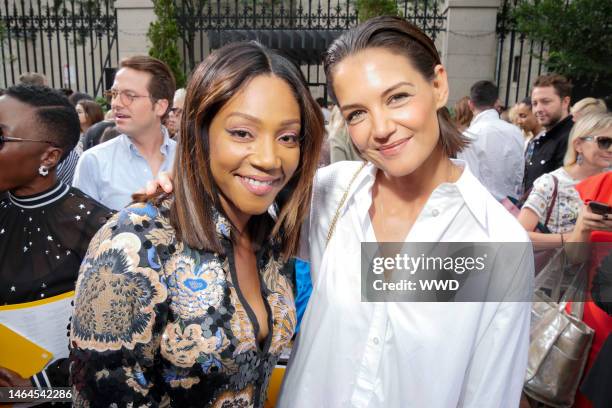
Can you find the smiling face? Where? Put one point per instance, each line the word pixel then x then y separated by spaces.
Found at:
pixel 391 115
pixel 591 152
pixel 525 118
pixel 254 146
pixel 548 107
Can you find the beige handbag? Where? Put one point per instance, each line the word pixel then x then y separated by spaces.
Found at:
pixel 560 343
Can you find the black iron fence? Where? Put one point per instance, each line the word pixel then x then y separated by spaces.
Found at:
pixel 301 29
pixel 72 42
pixel 519 60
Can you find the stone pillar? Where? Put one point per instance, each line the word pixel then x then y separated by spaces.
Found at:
pixel 133 19
pixel 469 45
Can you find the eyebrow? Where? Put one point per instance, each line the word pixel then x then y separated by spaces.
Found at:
pixel 386 92
pixel 258 121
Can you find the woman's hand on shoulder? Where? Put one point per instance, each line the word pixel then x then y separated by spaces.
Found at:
pixel 163 181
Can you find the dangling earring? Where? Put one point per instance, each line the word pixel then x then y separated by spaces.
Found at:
pixel 580 159
pixel 43 171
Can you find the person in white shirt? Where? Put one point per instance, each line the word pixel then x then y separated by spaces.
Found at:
pixel 495 153
pixel 351 353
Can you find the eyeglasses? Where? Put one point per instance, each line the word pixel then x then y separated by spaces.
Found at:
pixel 603 142
pixel 126 97
pixel 176 111
pixel 5 139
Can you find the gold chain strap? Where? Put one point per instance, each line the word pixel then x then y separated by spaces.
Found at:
pixel 332 226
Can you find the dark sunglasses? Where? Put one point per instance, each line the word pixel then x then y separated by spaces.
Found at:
pixel 176 111
pixel 603 142
pixel 5 139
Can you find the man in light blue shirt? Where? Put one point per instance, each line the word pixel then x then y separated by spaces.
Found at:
pixel 141 98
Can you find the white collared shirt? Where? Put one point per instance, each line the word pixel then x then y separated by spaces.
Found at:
pixel 351 353
pixel 112 171
pixel 495 154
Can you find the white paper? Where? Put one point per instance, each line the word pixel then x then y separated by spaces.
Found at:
pixel 43 324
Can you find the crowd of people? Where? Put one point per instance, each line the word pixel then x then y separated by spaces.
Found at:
pixel 176 218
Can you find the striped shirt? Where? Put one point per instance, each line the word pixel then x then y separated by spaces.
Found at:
pixel 65 170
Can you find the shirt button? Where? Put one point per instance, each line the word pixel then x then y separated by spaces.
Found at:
pixel 530 163
pixel 543 161
pixel 376 341
pixel 435 213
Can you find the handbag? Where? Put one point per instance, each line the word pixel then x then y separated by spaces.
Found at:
pixel 560 343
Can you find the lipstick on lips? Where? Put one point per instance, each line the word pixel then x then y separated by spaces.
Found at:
pixel 259 185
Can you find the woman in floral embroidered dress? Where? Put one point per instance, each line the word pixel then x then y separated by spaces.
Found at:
pixel 188 300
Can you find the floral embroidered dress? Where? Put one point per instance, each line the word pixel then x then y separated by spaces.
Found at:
pixel 157 323
pixel 567 204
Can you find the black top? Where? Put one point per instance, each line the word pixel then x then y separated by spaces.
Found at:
pixel 548 152
pixel 43 239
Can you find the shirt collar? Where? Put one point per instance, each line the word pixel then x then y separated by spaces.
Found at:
pixel 222 225
pixel 561 126
pixel 471 190
pixel 489 114
pixel 468 186
pixel 42 199
pixel 164 148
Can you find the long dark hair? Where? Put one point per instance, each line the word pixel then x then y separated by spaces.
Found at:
pixel 405 38
pixel 213 83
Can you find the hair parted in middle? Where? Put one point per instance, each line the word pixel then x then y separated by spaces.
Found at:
pixel 217 79
pixel 399 36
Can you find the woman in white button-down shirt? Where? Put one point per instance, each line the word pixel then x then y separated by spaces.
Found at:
pixel 391 88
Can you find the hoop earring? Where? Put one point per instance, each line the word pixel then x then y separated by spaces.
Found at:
pixel 579 159
pixel 43 171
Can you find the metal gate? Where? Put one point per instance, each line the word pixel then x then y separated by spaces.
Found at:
pixel 301 29
pixel 519 60
pixel 72 42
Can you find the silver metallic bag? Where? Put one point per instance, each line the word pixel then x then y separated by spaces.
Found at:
pixel 560 342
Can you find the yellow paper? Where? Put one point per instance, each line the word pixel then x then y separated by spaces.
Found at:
pixel 20 354
pixel 34 333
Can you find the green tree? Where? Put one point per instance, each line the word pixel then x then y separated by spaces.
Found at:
pixel 578 34
pixel 164 34
pixel 372 8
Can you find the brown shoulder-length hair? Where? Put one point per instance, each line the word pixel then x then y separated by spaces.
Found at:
pixel 93 111
pixel 404 38
pixel 213 83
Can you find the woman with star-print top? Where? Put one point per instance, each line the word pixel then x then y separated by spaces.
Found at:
pixel 45 226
